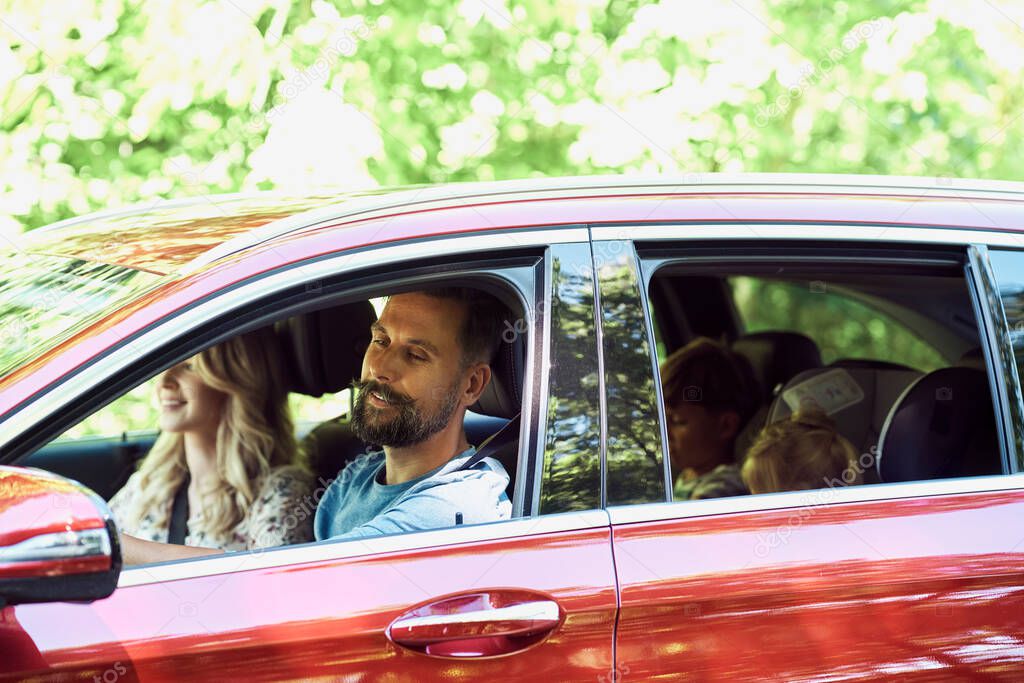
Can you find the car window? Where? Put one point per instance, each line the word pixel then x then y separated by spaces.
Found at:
pixel 1009 271
pixel 137 412
pixel 328 444
pixel 842 326
pixel 45 299
pixel 571 474
pixel 634 454
pixel 818 381
pixel 1008 268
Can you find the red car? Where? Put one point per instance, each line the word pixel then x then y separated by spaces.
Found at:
pixel 900 301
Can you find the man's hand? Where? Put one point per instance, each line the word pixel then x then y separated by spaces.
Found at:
pixel 137 551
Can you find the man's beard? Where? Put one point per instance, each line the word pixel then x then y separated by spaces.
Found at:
pixel 408 427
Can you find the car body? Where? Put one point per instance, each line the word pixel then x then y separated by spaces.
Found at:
pixel 911 579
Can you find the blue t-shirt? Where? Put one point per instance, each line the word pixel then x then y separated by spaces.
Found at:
pixel 357 505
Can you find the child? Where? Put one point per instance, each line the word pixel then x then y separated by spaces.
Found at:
pixel 802 452
pixel 710 393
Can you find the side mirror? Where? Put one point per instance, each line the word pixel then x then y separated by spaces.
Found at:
pixel 57 540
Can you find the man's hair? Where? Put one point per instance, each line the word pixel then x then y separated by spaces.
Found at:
pixel 709 374
pixel 482 328
pixel 803 452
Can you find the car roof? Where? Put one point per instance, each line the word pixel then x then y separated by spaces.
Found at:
pixel 183 235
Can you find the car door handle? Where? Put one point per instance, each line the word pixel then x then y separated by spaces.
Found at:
pixel 475 626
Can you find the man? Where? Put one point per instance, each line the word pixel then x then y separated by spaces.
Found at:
pixel 428 361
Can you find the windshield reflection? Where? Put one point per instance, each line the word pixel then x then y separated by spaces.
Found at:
pixel 45 299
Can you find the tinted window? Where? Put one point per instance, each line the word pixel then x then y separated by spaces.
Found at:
pixel 841 326
pixel 1008 267
pixel 1009 271
pixel 571 476
pixel 636 465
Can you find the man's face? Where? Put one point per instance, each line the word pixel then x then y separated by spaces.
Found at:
pixel 413 378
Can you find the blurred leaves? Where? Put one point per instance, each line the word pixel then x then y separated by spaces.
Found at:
pixel 113 102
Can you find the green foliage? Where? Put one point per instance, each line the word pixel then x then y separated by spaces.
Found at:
pixel 842 327
pixel 113 102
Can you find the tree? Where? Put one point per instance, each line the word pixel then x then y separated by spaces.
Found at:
pixel 112 103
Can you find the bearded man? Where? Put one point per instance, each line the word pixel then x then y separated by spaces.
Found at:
pixel 428 361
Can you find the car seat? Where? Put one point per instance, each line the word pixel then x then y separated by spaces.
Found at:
pixel 858 398
pixel 774 358
pixel 942 425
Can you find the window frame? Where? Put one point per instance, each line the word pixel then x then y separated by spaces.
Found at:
pixel 999 355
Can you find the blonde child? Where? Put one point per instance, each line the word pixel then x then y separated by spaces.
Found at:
pixel 802 452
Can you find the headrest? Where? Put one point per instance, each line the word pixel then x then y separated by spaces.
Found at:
pixel 973 358
pixel 777 356
pixel 324 349
pixel 503 396
pixel 942 426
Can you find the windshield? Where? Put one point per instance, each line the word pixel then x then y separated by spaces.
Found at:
pixel 45 299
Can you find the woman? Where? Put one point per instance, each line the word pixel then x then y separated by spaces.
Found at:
pixel 227 435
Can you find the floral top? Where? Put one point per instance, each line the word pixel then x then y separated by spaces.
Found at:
pixel 282 513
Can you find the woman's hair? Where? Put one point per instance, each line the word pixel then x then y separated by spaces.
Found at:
pixel 803 452
pixel 255 433
pixel 709 374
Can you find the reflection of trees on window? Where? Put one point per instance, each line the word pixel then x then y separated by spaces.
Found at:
pixel 44 299
pixel 634 453
pixel 1013 307
pixel 572 466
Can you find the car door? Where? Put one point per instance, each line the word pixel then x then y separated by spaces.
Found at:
pixel 533 597
pixel 324 610
pixel 918 580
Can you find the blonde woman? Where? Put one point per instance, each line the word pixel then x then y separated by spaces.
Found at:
pixel 802 452
pixel 227 435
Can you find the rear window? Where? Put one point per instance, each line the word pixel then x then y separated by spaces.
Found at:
pixel 841 326
pixel 45 299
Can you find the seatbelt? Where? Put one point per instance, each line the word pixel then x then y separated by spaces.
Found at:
pixel 178 529
pixel 506 435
